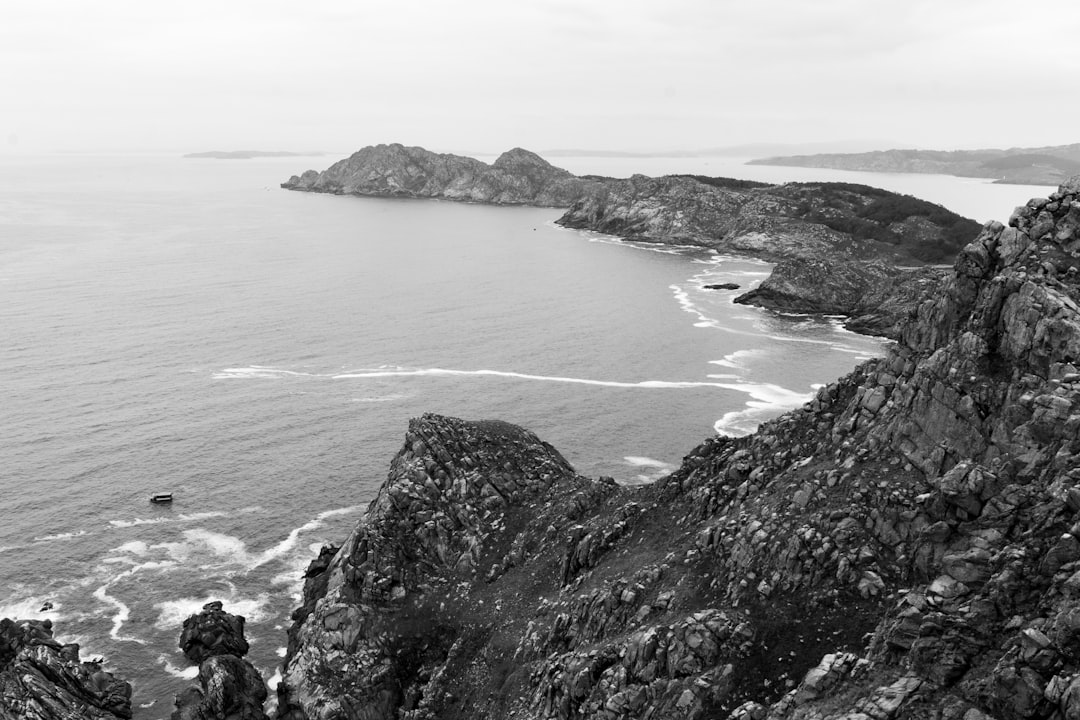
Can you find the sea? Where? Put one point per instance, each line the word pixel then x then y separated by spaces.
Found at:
pixel 186 326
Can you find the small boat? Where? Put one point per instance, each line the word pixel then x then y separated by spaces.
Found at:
pixel 161 498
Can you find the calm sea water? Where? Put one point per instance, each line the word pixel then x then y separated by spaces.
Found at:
pixel 186 326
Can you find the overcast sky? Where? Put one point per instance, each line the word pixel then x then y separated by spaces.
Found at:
pixel 480 75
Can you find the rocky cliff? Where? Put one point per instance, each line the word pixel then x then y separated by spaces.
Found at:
pixel 876 298
pixel 905 545
pixel 230 687
pixel 43 679
pixel 517 177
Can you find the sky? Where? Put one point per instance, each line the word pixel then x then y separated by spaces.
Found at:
pixel 486 75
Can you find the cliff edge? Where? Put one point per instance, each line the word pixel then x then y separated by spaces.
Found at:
pixel 905 545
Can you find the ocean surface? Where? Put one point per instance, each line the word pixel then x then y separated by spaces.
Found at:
pixel 186 326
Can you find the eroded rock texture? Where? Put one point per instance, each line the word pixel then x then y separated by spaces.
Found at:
pixel 904 546
pixel 42 679
pixel 230 688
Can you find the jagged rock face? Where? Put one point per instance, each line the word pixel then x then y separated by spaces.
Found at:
pixel 876 298
pixel 394 600
pixel 213 632
pixel 41 679
pixel 517 177
pixel 229 686
pixel 905 545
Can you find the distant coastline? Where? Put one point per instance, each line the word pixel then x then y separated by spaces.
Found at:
pixel 1018 166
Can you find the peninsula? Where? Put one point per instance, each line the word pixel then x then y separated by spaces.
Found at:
pixel 875 245
pixel 1025 166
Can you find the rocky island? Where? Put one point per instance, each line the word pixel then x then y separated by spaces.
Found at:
pixel 839 225
pixel 1025 166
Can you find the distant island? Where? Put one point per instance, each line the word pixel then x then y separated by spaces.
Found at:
pixel 249 154
pixel 1050 165
pixel 840 248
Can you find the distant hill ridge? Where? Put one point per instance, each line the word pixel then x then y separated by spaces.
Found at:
pixel 1049 165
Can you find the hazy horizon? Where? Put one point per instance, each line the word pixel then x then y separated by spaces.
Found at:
pixel 481 77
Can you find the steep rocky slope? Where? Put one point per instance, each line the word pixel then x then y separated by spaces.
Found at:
pixel 229 686
pixel 517 177
pixel 905 545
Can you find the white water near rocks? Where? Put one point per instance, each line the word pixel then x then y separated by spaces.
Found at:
pixel 186 326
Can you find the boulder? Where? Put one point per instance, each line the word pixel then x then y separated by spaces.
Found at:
pixel 213 632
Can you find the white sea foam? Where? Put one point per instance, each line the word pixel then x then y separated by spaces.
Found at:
pixel 258 371
pixel 59 536
pixel 734 360
pixel 172 613
pixel 123 612
pixel 638 461
pixel 766 400
pixel 184 517
pixel 442 372
pixel 221 545
pixel 656 469
pixel 187 673
pixel 29 608
pixel 135 547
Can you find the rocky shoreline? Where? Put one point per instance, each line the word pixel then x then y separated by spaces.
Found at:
pixel 905 545
pixel 841 225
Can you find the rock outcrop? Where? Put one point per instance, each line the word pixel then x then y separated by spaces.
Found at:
pixel 876 298
pixel 230 688
pixel 517 177
pixel 903 546
pixel 42 679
